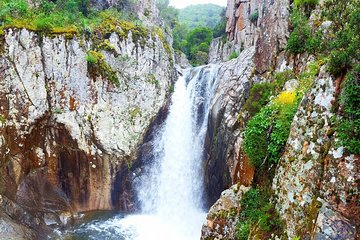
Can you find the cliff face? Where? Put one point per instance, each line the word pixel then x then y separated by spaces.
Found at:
pixel 315 184
pixel 237 77
pixel 68 135
pixel 263 24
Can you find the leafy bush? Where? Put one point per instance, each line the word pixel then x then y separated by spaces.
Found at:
pixel 259 96
pixel 344 46
pixel 307 5
pixel 267 132
pixel 300 34
pixel 349 127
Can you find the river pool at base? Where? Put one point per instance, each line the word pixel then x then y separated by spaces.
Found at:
pixel 114 226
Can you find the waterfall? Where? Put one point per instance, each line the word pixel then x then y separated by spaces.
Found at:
pixel 171 189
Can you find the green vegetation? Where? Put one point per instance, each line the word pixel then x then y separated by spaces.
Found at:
pixel 201 15
pixel 198 43
pixel 193 28
pixel 2 118
pixel 343 47
pixel 341 52
pixel 260 93
pixel 267 132
pixel 254 17
pixel 64 17
pixel 97 66
pixel 233 55
pixel 348 129
pixel 257 211
pixel 168 13
pixel 306 5
pixel 301 39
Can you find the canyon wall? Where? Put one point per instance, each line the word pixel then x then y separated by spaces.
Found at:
pixel 315 185
pixel 69 135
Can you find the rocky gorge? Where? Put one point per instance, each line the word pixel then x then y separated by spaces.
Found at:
pixel 75 136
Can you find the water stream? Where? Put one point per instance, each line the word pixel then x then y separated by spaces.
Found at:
pixel 171 190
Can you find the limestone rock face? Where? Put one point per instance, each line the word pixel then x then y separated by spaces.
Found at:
pixel 67 138
pixel 222 216
pixel 314 171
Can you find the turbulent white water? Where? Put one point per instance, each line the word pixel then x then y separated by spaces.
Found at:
pixel 171 191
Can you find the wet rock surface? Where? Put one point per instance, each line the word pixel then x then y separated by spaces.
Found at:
pixel 222 141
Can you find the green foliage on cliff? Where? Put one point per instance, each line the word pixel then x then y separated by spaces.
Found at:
pixel 267 131
pixel 57 17
pixel 343 46
pixel 348 129
pixel 260 93
pixel 97 66
pixel 342 39
pixel 257 212
pixel 301 38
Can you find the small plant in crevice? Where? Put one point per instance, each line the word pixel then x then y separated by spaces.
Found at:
pixel 97 66
pixel 233 55
pixel 254 16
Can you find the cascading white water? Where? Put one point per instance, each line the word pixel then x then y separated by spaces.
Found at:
pixel 171 190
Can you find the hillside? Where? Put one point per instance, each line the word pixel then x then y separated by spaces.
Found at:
pixel 201 15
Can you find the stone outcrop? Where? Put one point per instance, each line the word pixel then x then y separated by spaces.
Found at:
pixel 223 215
pixel 263 24
pixel 223 141
pixel 316 183
pixel 68 138
pixel 314 171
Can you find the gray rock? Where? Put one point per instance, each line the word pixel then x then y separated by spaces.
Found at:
pixel 331 225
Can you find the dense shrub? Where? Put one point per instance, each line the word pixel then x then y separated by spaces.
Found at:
pixel 267 132
pixel 349 127
pixel 307 5
pixel 259 96
pixel 343 47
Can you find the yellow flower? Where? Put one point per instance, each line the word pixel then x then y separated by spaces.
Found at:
pixel 286 97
